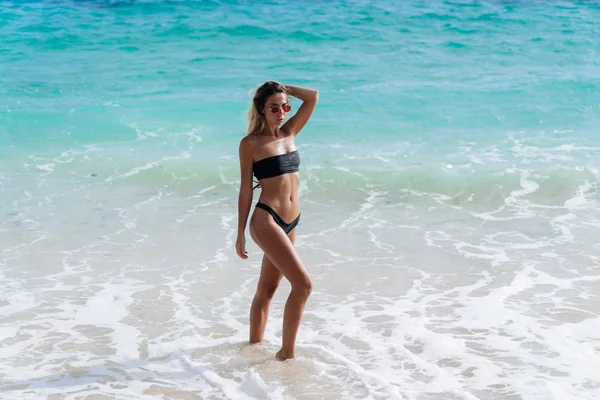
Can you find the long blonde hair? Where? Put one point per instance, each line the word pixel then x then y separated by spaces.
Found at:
pixel 256 120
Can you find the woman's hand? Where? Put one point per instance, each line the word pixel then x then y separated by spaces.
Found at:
pixel 309 98
pixel 240 247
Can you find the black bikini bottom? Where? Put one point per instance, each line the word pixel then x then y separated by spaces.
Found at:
pixel 287 228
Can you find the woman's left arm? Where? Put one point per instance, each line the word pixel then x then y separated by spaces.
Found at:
pixel 309 98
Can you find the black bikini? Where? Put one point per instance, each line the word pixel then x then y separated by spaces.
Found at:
pixel 287 228
pixel 270 167
pixel 277 165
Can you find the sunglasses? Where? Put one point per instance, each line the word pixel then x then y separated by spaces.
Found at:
pixel 275 109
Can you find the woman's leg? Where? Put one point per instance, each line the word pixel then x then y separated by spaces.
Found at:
pixel 279 249
pixel 259 311
pixel 267 285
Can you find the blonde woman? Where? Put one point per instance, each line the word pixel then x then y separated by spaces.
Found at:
pixel 268 152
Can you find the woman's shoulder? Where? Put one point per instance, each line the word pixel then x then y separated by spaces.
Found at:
pixel 248 143
pixel 249 139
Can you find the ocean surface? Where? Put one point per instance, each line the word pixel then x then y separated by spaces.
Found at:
pixel 450 199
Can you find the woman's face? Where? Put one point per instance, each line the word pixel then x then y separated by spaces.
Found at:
pixel 276 108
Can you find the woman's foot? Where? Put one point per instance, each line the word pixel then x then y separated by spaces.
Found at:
pixel 283 355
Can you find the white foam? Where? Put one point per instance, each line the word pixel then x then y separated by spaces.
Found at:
pixel 192 134
pixel 147 166
pixel 49 167
pixel 527 187
pixel 579 201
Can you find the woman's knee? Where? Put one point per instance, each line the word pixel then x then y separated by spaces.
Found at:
pixel 267 290
pixel 303 287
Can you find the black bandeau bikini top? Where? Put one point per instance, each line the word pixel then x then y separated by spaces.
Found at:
pixel 277 165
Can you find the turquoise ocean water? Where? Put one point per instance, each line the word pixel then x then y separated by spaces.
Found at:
pixel 504 76
pixel 452 164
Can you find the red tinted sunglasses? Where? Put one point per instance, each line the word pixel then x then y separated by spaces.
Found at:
pixel 275 109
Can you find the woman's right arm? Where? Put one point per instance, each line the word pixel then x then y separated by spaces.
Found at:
pixel 245 195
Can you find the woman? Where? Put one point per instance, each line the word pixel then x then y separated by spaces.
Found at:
pixel 268 152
